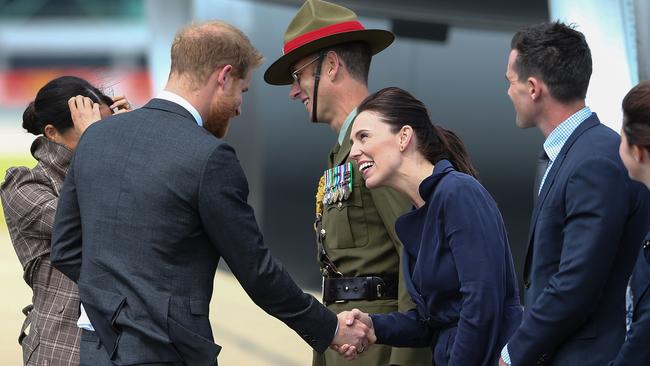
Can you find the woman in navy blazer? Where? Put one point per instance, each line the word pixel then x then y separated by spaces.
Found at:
pixel 456 260
pixel 635 153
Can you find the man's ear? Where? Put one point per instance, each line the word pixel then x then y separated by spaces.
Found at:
pixel 534 87
pixel 224 75
pixel 640 154
pixel 331 65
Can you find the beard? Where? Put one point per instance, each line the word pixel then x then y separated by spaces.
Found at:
pixel 219 117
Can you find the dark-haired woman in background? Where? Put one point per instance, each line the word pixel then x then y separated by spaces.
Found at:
pixel 635 153
pixel 458 267
pixel 62 110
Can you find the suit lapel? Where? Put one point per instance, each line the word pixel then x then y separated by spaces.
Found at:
pixel 590 122
pixel 640 281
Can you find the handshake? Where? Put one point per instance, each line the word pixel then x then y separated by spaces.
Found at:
pixel 355 333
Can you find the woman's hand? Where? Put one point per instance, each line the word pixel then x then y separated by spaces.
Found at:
pixel 84 112
pixel 120 105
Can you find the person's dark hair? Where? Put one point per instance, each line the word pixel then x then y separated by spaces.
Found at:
pixel 51 104
pixel 398 108
pixel 356 57
pixel 636 115
pixel 558 54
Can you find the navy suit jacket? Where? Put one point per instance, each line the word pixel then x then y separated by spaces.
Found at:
pixel 584 237
pixel 458 270
pixel 635 350
pixel 157 201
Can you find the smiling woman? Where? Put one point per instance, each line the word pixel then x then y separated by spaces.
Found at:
pixel 405 123
pixel 456 250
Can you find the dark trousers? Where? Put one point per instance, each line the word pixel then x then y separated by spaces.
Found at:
pixel 93 353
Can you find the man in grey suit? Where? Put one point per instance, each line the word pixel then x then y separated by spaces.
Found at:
pixel 158 200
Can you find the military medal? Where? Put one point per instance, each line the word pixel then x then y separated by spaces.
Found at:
pixel 347 181
pixel 337 184
pixel 326 193
pixel 339 192
pixel 328 187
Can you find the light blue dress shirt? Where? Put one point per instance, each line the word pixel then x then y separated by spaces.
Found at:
pixel 559 136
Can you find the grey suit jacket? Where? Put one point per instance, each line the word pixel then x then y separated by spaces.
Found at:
pixel 158 201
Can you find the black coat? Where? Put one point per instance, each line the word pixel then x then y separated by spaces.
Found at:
pixel 635 350
pixel 459 271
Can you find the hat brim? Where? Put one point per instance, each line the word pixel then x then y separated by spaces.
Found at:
pixel 279 73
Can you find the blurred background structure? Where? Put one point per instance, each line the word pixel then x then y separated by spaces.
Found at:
pixel 451 54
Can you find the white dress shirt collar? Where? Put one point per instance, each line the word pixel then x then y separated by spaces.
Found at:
pixel 175 98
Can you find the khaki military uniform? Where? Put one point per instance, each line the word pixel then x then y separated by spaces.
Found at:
pixel 360 239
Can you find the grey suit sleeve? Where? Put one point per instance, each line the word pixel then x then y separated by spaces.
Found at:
pixel 66 236
pixel 229 222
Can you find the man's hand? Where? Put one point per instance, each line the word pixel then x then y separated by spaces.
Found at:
pixel 353 336
pixel 359 320
pixel 357 314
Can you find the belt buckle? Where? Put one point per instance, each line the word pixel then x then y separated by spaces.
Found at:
pixel 347 288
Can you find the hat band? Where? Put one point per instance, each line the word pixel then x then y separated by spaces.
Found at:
pixel 320 33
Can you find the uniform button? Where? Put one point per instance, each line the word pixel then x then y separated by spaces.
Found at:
pixel 340 205
pixel 322 232
pixel 60 308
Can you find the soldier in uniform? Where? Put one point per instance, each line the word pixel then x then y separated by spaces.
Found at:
pixel 326 59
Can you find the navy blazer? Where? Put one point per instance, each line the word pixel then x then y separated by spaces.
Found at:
pixel 636 349
pixel 158 201
pixel 584 238
pixel 459 271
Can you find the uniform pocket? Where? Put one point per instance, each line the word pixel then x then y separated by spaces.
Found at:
pixel 345 222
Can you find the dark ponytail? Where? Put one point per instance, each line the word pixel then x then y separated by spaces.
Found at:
pixel 456 152
pixel 399 108
pixel 30 120
pixel 51 104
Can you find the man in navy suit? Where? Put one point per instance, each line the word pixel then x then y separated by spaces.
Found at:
pixel 589 217
pixel 158 199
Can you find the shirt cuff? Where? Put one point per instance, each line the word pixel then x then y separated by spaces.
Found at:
pixel 505 355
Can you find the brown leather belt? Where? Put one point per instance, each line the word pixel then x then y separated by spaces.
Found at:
pixel 339 289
